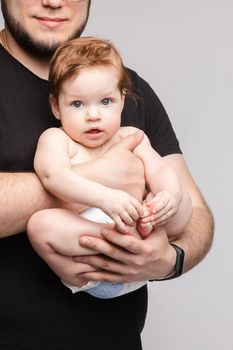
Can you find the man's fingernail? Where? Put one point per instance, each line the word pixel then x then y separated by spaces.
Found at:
pixel 84 240
pixel 105 232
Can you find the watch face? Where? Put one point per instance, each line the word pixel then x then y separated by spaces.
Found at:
pixel 178 268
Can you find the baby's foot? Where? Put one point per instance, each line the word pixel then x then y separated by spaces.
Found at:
pixel 144 228
pixel 144 225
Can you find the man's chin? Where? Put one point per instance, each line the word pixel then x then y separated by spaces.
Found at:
pixel 40 49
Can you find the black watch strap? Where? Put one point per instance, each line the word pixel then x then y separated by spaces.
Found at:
pixel 178 269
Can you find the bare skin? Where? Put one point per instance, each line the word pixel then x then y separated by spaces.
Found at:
pixel 123 258
pixel 23 195
pixel 141 254
pixel 57 247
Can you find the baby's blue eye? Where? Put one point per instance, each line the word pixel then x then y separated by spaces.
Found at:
pixel 106 101
pixel 77 104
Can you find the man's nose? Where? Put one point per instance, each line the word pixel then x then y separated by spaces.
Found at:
pixel 52 3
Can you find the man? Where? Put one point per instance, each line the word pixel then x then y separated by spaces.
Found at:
pixel 36 310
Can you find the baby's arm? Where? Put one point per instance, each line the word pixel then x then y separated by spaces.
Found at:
pixel 53 165
pixel 169 204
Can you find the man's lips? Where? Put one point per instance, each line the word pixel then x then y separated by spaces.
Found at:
pixel 51 22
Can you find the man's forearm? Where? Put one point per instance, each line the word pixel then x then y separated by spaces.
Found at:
pixel 197 237
pixel 21 195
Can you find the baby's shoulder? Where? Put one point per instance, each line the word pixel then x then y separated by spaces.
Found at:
pixel 53 136
pixel 53 133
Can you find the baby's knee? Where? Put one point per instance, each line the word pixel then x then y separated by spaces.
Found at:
pixel 37 222
pixel 37 229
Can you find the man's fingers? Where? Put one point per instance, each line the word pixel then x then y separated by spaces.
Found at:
pixel 67 268
pixel 100 262
pixel 123 249
pixel 128 243
pixel 131 141
pixel 104 276
pixel 107 249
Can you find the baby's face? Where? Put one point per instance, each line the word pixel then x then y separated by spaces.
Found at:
pixel 90 106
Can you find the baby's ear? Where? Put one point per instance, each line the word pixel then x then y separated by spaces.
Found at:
pixel 54 106
pixel 123 94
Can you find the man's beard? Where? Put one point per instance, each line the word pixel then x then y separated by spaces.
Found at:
pixel 32 46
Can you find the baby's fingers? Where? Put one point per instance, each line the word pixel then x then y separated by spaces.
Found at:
pixel 120 225
pixel 127 216
pixel 145 219
pixel 156 206
pixel 131 212
pixel 162 217
pixel 157 215
pixel 138 208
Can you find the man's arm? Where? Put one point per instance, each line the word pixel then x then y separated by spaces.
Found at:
pixel 153 257
pixel 197 238
pixel 21 195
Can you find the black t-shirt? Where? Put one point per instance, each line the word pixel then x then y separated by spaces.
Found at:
pixel 37 312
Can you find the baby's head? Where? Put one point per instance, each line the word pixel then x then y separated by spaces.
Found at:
pixel 87 52
pixel 88 88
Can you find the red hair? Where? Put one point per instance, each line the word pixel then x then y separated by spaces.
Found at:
pixel 74 55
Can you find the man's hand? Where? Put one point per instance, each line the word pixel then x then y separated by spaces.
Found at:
pixel 58 245
pixel 153 257
pixel 125 258
pixel 118 167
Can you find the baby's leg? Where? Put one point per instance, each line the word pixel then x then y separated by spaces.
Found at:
pixel 60 230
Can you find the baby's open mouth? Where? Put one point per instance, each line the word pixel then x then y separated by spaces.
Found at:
pixel 93 131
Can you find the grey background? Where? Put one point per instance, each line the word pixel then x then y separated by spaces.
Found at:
pixel 183 48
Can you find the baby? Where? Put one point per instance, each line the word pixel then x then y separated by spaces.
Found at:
pixel 89 84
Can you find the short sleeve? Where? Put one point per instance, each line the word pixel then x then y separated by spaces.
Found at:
pixel 155 121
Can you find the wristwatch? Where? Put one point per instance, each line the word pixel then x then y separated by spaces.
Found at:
pixel 178 269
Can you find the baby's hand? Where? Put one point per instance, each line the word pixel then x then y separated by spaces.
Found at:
pixel 122 208
pixel 162 207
